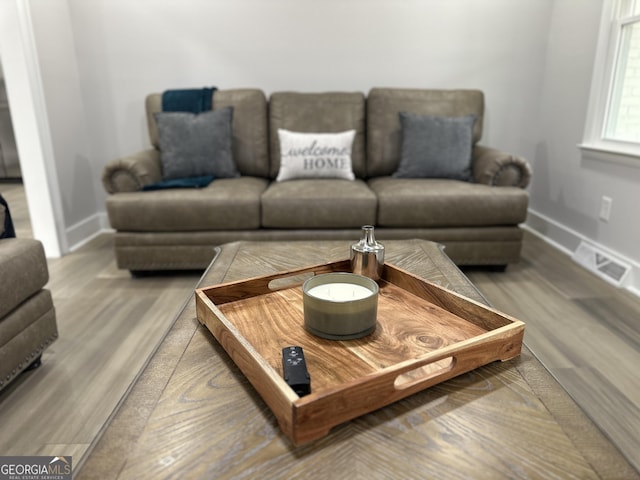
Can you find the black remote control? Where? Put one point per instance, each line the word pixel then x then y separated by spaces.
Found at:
pixel 295 370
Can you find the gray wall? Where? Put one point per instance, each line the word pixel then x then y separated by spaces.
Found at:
pixel 69 125
pixel 568 185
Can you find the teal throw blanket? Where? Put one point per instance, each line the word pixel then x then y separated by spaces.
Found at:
pixel 193 100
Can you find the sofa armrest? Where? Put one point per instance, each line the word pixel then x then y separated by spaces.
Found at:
pixel 494 167
pixel 131 173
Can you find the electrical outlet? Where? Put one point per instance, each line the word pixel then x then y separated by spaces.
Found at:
pixel 605 208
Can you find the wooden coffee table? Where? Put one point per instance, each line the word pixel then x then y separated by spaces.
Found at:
pixel 191 413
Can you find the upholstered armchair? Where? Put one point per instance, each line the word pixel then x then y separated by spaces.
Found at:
pixel 27 316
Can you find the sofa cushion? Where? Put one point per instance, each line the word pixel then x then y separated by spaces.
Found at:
pixel 24 271
pixel 383 122
pixel 315 155
pixel 435 147
pixel 329 112
pixel 433 202
pixel 193 145
pixel 249 127
pixel 318 203
pixel 226 204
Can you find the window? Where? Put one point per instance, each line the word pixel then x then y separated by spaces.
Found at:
pixel 623 116
pixel 614 116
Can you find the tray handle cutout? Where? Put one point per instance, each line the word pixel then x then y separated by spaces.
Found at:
pixel 423 373
pixel 281 283
pixel 242 289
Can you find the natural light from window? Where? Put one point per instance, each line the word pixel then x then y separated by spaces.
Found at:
pixel 623 117
pixel 612 131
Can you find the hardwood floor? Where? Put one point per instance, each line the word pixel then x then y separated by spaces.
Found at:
pixel 583 330
pixel 586 332
pixel 109 323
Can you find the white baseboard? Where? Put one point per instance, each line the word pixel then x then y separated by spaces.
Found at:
pixel 567 240
pixel 84 231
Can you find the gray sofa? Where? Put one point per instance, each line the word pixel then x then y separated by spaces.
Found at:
pixel 476 218
pixel 27 315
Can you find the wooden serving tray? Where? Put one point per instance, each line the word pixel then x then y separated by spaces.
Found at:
pixel 425 335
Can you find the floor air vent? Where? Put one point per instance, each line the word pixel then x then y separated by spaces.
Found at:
pixel 602 264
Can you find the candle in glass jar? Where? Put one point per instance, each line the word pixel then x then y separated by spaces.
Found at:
pixel 340 306
pixel 340 292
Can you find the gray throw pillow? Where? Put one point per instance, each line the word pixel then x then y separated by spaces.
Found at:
pixel 194 145
pixel 435 147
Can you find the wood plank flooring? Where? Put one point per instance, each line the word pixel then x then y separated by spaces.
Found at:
pixel 586 332
pixel 109 323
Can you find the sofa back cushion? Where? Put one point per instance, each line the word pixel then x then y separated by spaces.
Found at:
pixel 384 133
pixel 249 127
pixel 329 112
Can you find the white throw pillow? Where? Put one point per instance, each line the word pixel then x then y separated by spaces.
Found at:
pixel 315 155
